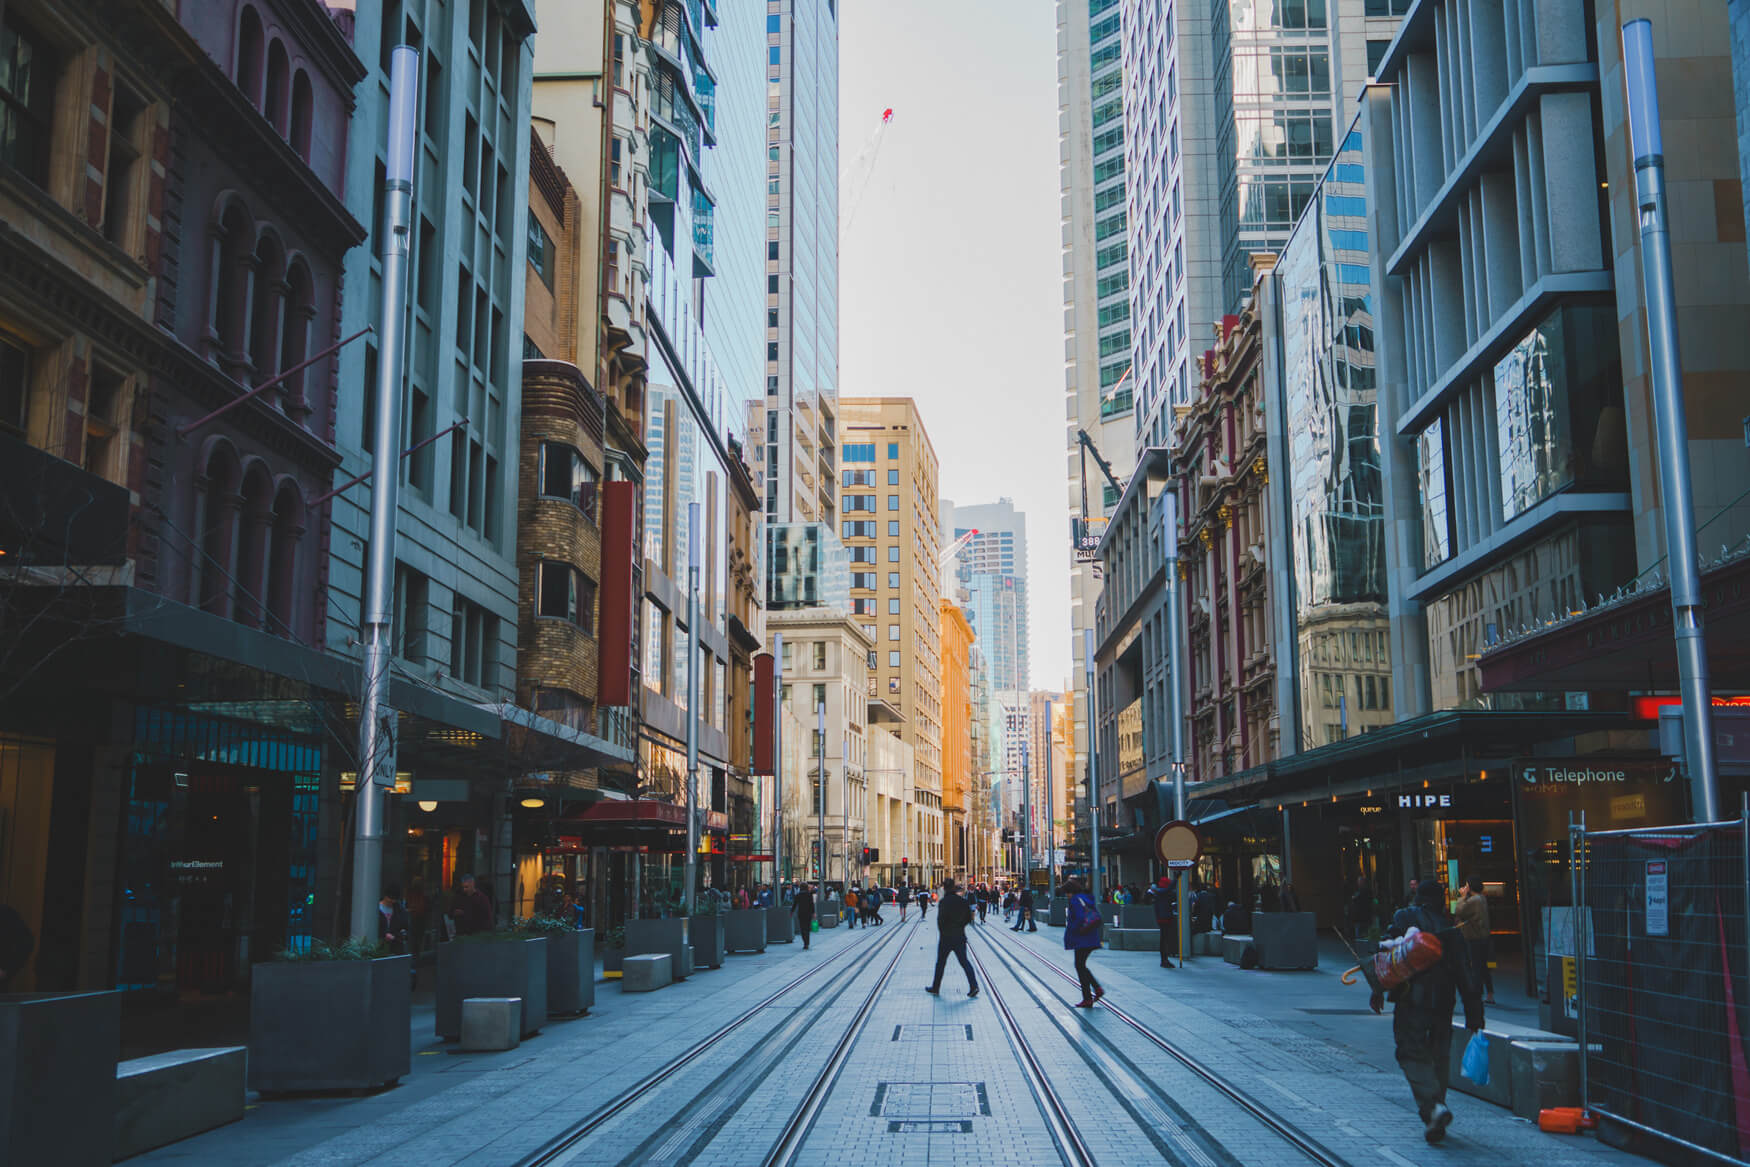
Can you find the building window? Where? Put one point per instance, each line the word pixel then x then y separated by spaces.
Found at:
pixel 818 648
pixel 564 593
pixel 565 474
pixel 893 528
pixel 893 606
pixel 893 659
pixel 893 578
pixel 892 451
pixel 893 555
pixel 893 632
pixel 893 478
pixel 773 54
pixel 28 70
pixel 474 645
pixel 541 256
pixel 14 386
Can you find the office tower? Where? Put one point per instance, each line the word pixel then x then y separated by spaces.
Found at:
pixel 795 418
pixel 455 572
pixel 992 567
pixel 1096 296
pixel 956 640
pixel 892 535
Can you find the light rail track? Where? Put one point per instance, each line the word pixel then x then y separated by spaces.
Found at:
pixel 565 1147
pixel 1288 1131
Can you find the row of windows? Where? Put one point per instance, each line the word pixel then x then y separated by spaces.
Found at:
pixel 866 580
pixel 865 452
pixel 865 529
pixel 867 554
pixel 867 478
pixel 866 502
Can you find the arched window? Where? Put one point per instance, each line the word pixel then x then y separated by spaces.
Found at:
pixel 303 113
pixel 297 313
pixel 274 99
pixel 255 517
pixel 248 70
pixel 282 564
pixel 216 505
pixel 270 291
pixel 233 266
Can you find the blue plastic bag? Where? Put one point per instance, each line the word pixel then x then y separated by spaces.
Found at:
pixel 1476 1058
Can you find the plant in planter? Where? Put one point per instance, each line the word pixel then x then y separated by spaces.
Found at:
pixel 613 951
pixel 330 1017
pixel 570 963
pixel 504 962
pixel 706 933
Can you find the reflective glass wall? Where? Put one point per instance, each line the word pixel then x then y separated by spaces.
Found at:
pixel 1335 495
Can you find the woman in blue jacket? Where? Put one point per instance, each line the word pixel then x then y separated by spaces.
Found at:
pixel 1081 934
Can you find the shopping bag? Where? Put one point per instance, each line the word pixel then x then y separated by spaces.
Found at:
pixel 814 925
pixel 1476 1058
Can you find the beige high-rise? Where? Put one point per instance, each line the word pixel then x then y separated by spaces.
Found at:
pixel 889 524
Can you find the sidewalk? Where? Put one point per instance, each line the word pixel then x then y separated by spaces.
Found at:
pixel 493 1108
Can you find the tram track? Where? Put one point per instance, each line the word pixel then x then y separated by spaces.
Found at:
pixel 1298 1139
pixel 699 1118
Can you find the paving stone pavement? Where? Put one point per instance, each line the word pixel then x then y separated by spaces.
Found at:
pixel 930 1080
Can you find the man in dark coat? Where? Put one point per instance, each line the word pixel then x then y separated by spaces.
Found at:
pixel 392 920
pixel 471 910
pixel 803 906
pixel 952 916
pixel 1166 904
pixel 1422 1009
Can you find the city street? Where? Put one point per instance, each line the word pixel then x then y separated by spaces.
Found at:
pixel 921 1080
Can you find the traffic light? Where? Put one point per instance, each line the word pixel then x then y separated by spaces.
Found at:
pixel 866 857
pixel 873 853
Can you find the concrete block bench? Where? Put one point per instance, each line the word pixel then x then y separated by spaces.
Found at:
pixel 831 917
pixel 1232 944
pixel 1133 939
pixel 1545 1073
pixel 491 1023
pixel 780 925
pixel 171 1096
pixel 646 972
pixel 1503 1035
pixel 1205 944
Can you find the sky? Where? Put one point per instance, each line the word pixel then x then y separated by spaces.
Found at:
pixel 950 262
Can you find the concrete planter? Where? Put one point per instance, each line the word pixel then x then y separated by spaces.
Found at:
pixel 708 941
pixel 1058 914
pixel 1109 914
pixel 1137 916
pixel 570 972
pixel 491 968
pixel 612 960
pixel 780 925
pixel 646 936
pixel 57 1077
pixel 745 931
pixel 1286 940
pixel 330 1024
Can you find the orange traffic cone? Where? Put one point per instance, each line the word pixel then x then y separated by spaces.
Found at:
pixel 1562 1120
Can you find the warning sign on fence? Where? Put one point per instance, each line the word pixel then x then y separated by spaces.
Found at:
pixel 1658 898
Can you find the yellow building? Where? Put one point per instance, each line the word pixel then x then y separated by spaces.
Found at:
pixel 956 638
pixel 887 506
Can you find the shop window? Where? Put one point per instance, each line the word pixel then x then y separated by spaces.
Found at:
pixel 275 97
pixel 303 114
pixel 121 176
pixel 565 474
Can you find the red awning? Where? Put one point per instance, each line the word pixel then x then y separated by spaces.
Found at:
pixel 637 812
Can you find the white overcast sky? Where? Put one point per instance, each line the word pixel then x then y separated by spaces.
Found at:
pixel 950 271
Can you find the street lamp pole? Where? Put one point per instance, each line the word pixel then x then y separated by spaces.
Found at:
pixel 1093 771
pixel 692 864
pixel 1176 683
pixel 777 761
pixel 1050 808
pixel 820 792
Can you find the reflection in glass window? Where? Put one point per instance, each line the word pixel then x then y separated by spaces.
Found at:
pixel 1431 490
pixel 1558 409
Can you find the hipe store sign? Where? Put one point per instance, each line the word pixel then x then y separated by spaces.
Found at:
pixel 1419 803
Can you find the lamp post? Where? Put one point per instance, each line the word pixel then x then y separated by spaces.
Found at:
pixel 1093 771
pixel 692 864
pixel 777 760
pixel 376 766
pixel 1176 683
pixel 820 791
pixel 1050 809
pixel 1666 369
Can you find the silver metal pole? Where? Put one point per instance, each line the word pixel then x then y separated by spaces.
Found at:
pixel 376 718
pixel 777 765
pixel 1093 773
pixel 1578 924
pixel 1050 807
pixel 692 864
pixel 820 794
pixel 1665 365
pixel 1176 690
pixel 845 791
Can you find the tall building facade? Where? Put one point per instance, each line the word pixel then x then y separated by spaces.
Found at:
pixel 956 639
pixel 1098 383
pixel 992 567
pixel 795 418
pixel 894 544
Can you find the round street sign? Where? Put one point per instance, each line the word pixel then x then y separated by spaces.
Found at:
pixel 1178 844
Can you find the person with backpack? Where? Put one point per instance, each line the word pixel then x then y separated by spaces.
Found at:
pixel 1081 935
pixel 904 899
pixel 1165 897
pixel 1024 921
pixel 923 903
pixel 1422 1008
pixel 951 923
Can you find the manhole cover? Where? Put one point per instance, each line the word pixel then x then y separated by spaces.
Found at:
pixel 930 1107
pixel 931 1032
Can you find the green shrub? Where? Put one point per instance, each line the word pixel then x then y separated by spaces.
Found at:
pixel 614 938
pixel 354 948
pixel 542 925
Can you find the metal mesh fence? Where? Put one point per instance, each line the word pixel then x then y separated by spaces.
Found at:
pixel 1665 994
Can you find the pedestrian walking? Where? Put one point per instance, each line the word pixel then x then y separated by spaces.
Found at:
pixel 1361 909
pixel 982 894
pixel 1422 1009
pixel 1081 935
pixel 951 923
pixel 1473 922
pixel 1165 897
pixel 923 903
pixel 802 905
pixel 851 917
pixel 1024 911
pixel 904 900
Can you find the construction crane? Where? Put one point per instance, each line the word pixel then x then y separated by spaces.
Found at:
pixel 854 180
pixel 953 549
pixel 1083 537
